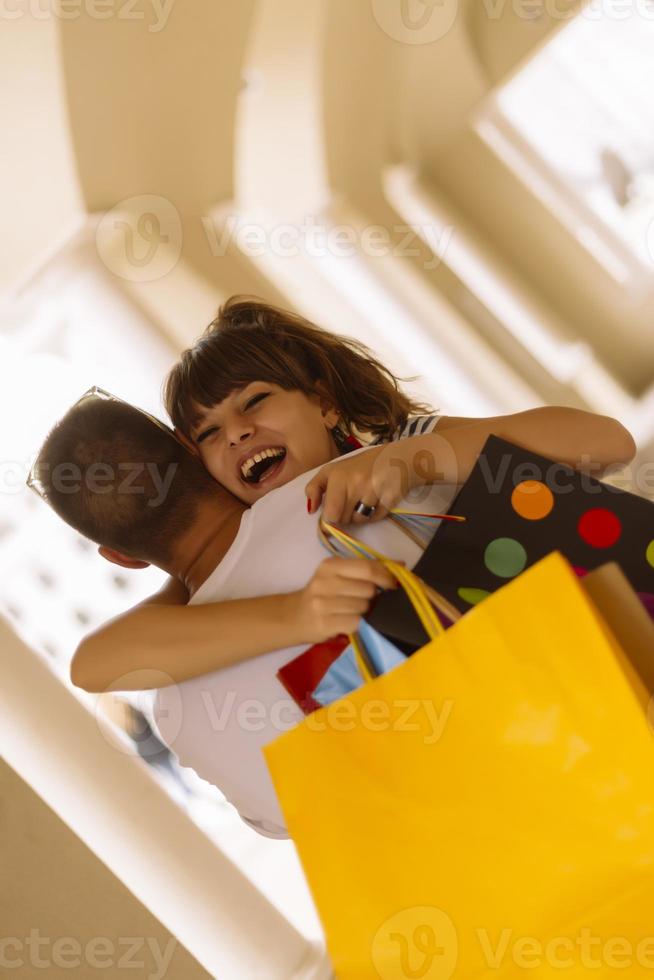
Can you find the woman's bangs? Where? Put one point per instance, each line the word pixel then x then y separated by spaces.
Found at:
pixel 217 367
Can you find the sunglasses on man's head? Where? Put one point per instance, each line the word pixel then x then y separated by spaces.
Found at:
pixel 34 480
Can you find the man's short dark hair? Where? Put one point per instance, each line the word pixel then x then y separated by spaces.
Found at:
pixel 119 479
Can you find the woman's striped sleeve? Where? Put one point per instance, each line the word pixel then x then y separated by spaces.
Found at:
pixel 416 426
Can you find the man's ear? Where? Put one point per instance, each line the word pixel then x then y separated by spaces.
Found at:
pixel 185 441
pixel 118 558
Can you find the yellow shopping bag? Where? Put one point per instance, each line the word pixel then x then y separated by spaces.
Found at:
pixel 480 809
pixel 632 627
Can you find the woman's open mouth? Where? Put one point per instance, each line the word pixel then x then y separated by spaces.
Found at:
pixel 262 467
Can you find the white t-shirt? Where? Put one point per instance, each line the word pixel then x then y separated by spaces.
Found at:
pixel 218 723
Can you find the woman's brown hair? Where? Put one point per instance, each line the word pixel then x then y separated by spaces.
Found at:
pixel 250 340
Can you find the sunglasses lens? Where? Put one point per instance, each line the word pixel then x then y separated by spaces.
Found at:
pixel 34 481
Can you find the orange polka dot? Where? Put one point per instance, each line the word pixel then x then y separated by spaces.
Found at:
pixel 532 500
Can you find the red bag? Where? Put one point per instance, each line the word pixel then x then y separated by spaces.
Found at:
pixel 303 674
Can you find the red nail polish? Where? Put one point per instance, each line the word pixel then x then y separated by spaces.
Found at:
pixel 308 505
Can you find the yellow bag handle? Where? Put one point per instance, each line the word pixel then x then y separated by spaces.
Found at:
pixel 362 659
pixel 421 596
pixel 355 546
pixel 410 582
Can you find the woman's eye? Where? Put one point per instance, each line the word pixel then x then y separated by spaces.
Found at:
pixel 207 432
pixel 257 398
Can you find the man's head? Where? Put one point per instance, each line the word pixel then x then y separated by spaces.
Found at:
pixel 121 479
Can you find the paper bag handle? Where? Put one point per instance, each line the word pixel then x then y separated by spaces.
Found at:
pixel 421 596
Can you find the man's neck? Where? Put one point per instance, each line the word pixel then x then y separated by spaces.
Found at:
pixel 214 529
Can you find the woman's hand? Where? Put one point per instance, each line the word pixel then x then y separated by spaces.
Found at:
pixel 337 596
pixel 376 477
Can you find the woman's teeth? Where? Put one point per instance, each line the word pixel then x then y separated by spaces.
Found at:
pixel 253 468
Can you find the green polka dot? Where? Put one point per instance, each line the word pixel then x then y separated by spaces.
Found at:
pixel 649 554
pixel 473 596
pixel 505 557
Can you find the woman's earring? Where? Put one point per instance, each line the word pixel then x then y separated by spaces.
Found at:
pixel 339 438
pixel 344 442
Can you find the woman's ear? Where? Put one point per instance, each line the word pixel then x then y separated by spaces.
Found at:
pixel 329 411
pixel 118 558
